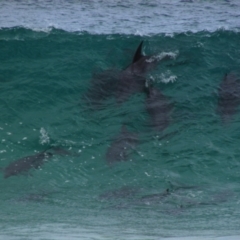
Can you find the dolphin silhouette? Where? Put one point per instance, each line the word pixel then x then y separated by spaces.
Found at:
pixel 23 165
pixel 121 146
pixel 121 84
pixel 228 97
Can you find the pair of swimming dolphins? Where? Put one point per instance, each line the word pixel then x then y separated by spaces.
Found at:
pixel 132 80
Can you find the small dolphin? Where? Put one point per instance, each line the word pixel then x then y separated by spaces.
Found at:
pixel 159 108
pixel 121 146
pixel 23 165
pixel 228 97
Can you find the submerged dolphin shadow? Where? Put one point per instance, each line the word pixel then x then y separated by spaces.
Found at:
pixel 25 164
pixel 174 200
pixel 228 97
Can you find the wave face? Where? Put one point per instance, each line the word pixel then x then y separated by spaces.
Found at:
pixel 45 79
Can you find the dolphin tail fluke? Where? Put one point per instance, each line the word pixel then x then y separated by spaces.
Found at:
pixel 138 54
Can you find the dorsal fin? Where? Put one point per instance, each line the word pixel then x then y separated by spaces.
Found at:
pixel 138 54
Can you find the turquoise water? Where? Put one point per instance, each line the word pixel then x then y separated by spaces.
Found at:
pixel 49 79
pixel 44 78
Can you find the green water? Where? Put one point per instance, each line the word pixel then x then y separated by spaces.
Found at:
pixel 44 77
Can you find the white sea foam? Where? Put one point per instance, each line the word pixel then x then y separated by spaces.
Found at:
pixel 165 77
pixel 168 78
pixel 65 232
pixel 171 55
pixel 44 138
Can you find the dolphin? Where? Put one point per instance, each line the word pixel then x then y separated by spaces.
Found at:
pixel 151 199
pixel 228 97
pixel 159 108
pixel 25 164
pixel 121 146
pixel 173 200
pixel 121 84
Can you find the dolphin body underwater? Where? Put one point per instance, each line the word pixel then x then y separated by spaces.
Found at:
pixel 228 97
pixel 25 164
pixel 121 84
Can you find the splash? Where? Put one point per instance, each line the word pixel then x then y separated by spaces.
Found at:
pixel 44 138
pixel 168 77
pixel 165 77
pixel 167 55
